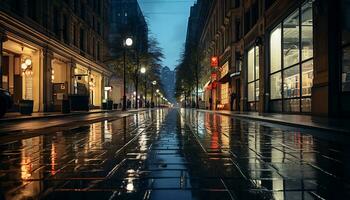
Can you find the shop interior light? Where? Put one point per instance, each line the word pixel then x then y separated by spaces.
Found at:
pixel 24 66
pixel 28 62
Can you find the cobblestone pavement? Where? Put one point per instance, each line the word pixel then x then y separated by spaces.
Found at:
pixel 176 154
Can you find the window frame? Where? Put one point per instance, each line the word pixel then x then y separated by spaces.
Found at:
pixel 256 77
pixel 299 64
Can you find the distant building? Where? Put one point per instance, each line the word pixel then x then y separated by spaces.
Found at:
pixel 168 82
pixel 50 49
pixel 125 20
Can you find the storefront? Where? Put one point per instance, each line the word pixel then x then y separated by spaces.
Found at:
pixel 21 71
pixel 223 88
pixel 345 58
pixel 253 78
pixel 291 62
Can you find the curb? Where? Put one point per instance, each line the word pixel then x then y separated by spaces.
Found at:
pixel 281 122
pixel 19 119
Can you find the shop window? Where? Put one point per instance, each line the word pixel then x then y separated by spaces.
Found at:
pixel 275 44
pixel 291 62
pixel 291 105
pixel 224 93
pixel 306 32
pixel 346 70
pixel 291 40
pixel 253 75
pixel 306 105
pixel 276 83
pixel 251 92
pixel 345 5
pixel 291 82
pixel 307 78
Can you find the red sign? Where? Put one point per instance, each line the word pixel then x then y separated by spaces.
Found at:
pixel 215 84
pixel 214 61
pixel 213 76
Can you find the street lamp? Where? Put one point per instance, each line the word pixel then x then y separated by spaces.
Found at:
pixel 143 71
pixel 153 84
pixel 127 44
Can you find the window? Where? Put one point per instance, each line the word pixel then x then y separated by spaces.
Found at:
pixel 291 62
pixel 65 29
pixel 82 39
pixel 345 5
pixel 275 44
pixel 291 40
pixel 276 85
pixel 56 22
pixel 253 76
pixel 224 93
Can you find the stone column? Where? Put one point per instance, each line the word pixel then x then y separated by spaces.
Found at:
pixel 325 95
pixel 47 83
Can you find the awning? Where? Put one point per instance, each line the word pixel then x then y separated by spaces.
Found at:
pixel 206 85
pixel 236 74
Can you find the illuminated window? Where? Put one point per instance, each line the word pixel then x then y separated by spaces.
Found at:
pixel 291 62
pixel 253 77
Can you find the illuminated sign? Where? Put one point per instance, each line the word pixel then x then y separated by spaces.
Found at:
pixel 108 88
pixel 224 70
pixel 214 61
pixel 213 76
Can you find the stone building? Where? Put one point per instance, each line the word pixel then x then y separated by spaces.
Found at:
pixel 282 56
pixel 52 49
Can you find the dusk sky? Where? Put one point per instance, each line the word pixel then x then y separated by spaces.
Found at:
pixel 167 20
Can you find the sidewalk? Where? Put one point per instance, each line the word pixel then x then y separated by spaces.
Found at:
pixel 10 117
pixel 341 125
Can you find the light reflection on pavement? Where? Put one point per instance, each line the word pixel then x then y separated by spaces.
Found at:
pixel 175 154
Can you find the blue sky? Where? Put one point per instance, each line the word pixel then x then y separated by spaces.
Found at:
pixel 167 21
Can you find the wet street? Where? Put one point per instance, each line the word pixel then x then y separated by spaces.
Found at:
pixel 175 154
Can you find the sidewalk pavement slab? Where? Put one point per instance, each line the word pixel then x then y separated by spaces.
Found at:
pixel 10 117
pixel 341 125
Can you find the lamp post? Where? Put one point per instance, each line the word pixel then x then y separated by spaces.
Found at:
pixel 153 84
pixel 127 43
pixel 157 99
pixel 143 71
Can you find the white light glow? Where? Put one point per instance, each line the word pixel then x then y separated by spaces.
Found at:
pixel 128 42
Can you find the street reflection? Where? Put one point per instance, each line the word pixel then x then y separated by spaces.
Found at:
pixel 164 152
pixel 279 163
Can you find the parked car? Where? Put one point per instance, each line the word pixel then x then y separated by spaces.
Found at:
pixel 5 101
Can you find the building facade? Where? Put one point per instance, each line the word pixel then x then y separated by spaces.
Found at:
pixel 281 56
pixel 52 49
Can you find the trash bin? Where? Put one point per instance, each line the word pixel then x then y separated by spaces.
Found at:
pixel 26 107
